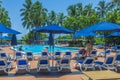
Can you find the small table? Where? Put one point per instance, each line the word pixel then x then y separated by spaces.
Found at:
pixel 99 75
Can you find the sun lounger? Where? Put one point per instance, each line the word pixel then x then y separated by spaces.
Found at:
pixel 117 59
pixel 80 54
pixel 57 55
pixel 108 64
pixel 63 64
pixel 5 56
pixel 107 52
pixel 67 55
pixel 29 55
pixel 5 66
pixel 44 54
pixel 93 54
pixel 100 46
pixel 87 63
pixel 43 64
pixel 18 55
pixel 23 64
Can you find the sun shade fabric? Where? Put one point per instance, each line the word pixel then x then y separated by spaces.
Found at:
pixel 53 28
pixel 4 29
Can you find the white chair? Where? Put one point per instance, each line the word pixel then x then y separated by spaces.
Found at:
pixel 67 55
pixel 18 55
pixel 43 64
pixel 107 64
pixel 63 64
pixel 57 55
pixel 4 65
pixel 29 55
pixel 87 63
pixel 117 59
pixel 23 64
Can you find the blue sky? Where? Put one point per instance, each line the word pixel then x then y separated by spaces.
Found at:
pixel 13 7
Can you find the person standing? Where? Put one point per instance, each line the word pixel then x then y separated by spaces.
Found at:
pixel 89 47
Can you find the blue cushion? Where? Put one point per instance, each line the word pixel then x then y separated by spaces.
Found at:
pixel 118 57
pixel 3 54
pixel 68 53
pixel 44 53
pixel 109 60
pixel 80 61
pixel 89 61
pixel 57 53
pixel 66 61
pixel 43 61
pixel 8 63
pixel 2 63
pixel 18 54
pixel 93 52
pixel 22 62
pixel 98 62
pixel 29 53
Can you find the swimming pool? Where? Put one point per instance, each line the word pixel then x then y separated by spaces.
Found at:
pixel 37 49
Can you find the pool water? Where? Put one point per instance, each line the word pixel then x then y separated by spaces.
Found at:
pixel 37 49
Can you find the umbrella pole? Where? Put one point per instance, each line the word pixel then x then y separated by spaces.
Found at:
pixel 105 45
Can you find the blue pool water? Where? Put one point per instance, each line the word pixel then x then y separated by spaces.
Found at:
pixel 37 49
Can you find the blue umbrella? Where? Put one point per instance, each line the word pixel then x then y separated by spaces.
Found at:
pixel 104 27
pixel 13 40
pixel 5 37
pixel 53 28
pixel 4 29
pixel 115 34
pixel 84 33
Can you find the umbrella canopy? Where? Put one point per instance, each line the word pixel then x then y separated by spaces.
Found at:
pixel 53 28
pixel 115 34
pixel 13 40
pixel 4 29
pixel 106 26
pixel 84 33
pixel 6 37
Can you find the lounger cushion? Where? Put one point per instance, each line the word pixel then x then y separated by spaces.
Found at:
pixel 18 54
pixel 22 62
pixel 44 53
pixel 65 61
pixel 29 54
pixel 57 53
pixel 3 55
pixel 89 61
pixel 2 63
pixel 98 62
pixel 109 60
pixel 68 53
pixel 9 63
pixel 80 61
pixel 118 58
pixel 43 61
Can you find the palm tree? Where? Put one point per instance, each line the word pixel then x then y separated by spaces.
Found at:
pixel 116 3
pixel 51 18
pixel 26 16
pixel 4 17
pixel 72 11
pixel 103 8
pixel 60 18
pixel 88 10
pixel 38 14
pixel 79 8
